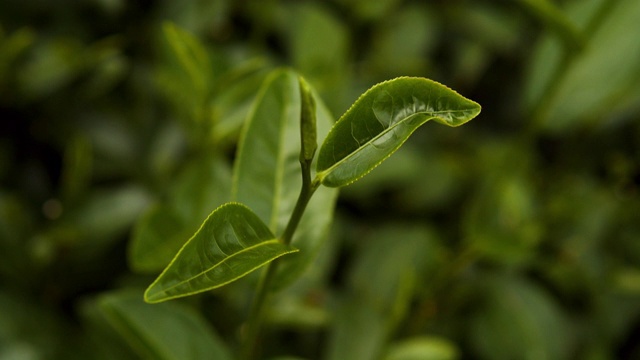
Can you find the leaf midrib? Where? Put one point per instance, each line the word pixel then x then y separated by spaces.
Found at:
pixel 351 154
pixel 280 166
pixel 271 241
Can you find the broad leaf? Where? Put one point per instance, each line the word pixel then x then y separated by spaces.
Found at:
pixel 231 243
pixel 381 120
pixel 168 331
pixel 267 170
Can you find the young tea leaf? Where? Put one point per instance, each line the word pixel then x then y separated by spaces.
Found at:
pixel 231 243
pixel 267 169
pixel 308 127
pixel 381 120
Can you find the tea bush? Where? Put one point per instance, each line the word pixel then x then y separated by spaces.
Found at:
pixel 124 125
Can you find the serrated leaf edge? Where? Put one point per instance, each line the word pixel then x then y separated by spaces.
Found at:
pixel 147 297
pixel 320 175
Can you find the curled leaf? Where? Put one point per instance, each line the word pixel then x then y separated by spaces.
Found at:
pixel 381 120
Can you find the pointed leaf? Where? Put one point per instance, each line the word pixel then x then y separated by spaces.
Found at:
pixel 267 170
pixel 190 53
pixel 381 120
pixel 308 127
pixel 231 243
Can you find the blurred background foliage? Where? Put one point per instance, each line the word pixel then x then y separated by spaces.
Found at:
pixel 516 236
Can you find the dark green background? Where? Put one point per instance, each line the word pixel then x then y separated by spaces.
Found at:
pixel 516 236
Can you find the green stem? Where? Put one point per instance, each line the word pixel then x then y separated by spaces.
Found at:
pixel 252 334
pixel 308 188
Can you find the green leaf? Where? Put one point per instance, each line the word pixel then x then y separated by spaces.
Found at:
pixel 190 53
pixel 308 127
pixel 267 170
pixel 231 243
pixel 166 331
pixel 158 235
pixel 381 120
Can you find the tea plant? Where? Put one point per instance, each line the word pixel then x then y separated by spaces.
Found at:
pixel 123 125
pixel 236 240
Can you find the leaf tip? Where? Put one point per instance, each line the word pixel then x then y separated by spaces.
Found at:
pixel 151 296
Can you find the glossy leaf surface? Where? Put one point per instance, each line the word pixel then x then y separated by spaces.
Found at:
pixel 381 120
pixel 231 243
pixel 267 171
pixel 167 331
